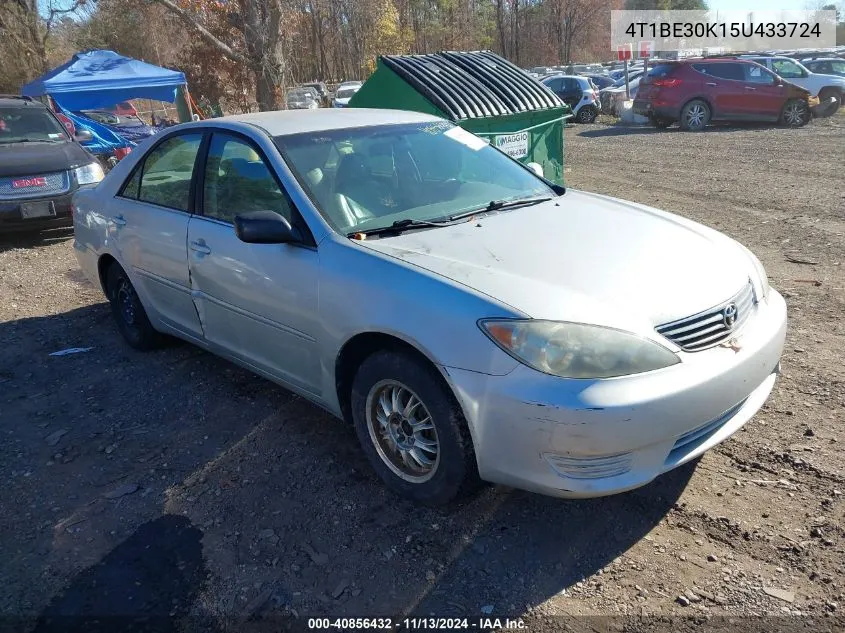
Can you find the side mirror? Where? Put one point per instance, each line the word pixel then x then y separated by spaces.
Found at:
pixel 537 168
pixel 83 136
pixel 265 227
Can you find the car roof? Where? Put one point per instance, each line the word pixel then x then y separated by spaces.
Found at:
pixel 281 122
pixel 564 76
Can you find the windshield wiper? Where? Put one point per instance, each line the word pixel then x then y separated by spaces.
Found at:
pixel 495 205
pixel 399 226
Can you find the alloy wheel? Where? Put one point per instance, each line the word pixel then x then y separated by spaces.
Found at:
pixel 401 429
pixel 794 113
pixel 126 302
pixel 695 116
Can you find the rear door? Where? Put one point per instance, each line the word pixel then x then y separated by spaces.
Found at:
pixel 765 97
pixel 151 217
pixel 258 302
pixel 723 86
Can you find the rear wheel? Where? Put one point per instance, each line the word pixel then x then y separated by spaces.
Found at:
pixel 796 113
pixel 412 430
pixel 587 114
pixel 695 116
pixel 128 312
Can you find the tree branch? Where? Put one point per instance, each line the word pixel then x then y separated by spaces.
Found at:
pixel 203 32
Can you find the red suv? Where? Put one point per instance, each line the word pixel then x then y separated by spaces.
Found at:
pixel 697 91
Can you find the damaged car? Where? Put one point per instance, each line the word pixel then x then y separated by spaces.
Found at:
pixel 471 319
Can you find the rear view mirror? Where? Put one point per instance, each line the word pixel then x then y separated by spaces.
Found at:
pixel 265 227
pixel 537 168
pixel 83 136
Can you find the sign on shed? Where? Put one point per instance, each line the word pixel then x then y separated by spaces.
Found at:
pixel 514 145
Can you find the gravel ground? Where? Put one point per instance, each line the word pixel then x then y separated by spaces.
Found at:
pixel 174 484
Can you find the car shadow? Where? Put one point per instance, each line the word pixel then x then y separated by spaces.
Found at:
pixel 247 504
pixel 629 130
pixel 31 239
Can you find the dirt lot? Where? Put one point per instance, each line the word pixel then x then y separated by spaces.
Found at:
pixel 175 484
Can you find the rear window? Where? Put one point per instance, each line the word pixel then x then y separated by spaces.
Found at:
pixel 723 70
pixel 29 124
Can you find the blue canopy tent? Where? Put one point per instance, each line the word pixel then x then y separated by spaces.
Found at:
pixel 101 79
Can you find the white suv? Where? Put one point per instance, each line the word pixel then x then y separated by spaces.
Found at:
pixel 822 86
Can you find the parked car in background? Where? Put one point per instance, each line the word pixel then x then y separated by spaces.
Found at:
pixel 41 166
pixel 302 99
pixel 611 99
pixel 128 126
pixel 578 93
pixel 825 87
pixel 470 320
pixel 321 90
pixel 825 65
pixel 600 81
pixel 344 93
pixel 695 92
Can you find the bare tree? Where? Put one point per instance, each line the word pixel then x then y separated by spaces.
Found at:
pixel 258 23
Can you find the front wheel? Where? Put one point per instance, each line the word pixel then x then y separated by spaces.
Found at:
pixel 825 96
pixel 412 430
pixel 587 114
pixel 695 116
pixel 796 113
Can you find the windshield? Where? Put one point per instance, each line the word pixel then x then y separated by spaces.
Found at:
pixel 367 178
pixel 300 95
pixel 346 93
pixel 21 124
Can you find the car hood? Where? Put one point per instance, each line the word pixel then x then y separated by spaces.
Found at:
pixel 32 159
pixel 835 79
pixel 585 258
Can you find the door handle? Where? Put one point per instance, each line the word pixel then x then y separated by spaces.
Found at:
pixel 711 83
pixel 750 88
pixel 200 247
pixel 119 220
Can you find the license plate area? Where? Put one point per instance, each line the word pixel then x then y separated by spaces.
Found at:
pixel 37 210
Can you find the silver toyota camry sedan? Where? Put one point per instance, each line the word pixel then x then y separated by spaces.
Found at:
pixel 472 320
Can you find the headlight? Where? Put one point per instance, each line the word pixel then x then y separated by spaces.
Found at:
pixel 763 279
pixel 574 350
pixel 89 174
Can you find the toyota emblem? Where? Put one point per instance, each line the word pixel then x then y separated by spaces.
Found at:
pixel 729 315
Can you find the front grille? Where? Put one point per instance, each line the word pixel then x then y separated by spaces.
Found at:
pixel 55 184
pixel 712 326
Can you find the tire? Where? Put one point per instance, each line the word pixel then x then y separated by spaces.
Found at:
pixel 426 455
pixel 695 116
pixel 587 114
pixel 128 312
pixel 825 94
pixel 795 113
pixel 660 123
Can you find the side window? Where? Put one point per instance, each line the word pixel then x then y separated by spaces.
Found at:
pixel 133 185
pixel 837 67
pixel 238 181
pixel 727 70
pixel 166 177
pixel 758 75
pixel 703 68
pixel 787 69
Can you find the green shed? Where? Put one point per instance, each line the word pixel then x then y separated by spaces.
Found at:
pixel 481 92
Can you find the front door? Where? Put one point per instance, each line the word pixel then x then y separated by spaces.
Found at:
pixel 151 229
pixel 258 302
pixel 767 97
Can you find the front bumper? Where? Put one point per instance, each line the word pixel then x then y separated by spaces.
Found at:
pixel 11 219
pixel 587 438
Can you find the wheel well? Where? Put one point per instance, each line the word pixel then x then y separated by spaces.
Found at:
pixel 356 350
pixel 103 264
pixel 835 89
pixel 702 99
